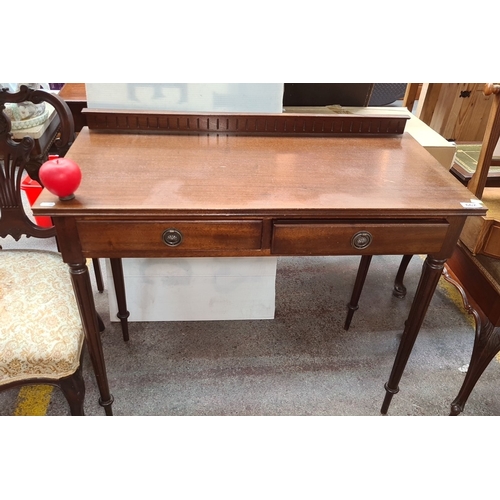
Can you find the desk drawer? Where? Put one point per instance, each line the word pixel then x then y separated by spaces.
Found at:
pixel 324 238
pixel 169 238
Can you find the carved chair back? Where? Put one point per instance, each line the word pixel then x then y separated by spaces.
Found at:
pixel 14 156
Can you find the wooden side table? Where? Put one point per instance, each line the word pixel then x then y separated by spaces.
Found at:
pixel 75 96
pixel 465 164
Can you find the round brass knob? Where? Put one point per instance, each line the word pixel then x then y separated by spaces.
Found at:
pixel 172 237
pixel 361 240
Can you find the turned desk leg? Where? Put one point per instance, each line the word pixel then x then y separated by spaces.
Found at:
pixel 431 272
pixel 353 306
pixel 98 275
pixel 121 300
pixel 83 291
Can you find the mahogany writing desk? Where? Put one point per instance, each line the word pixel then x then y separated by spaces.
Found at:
pixel 216 195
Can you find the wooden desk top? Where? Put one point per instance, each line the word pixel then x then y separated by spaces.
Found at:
pixel 219 174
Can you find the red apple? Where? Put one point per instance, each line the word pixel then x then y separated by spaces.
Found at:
pixel 61 176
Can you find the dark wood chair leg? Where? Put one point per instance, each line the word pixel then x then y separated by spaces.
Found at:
pixel 486 346
pixel 119 282
pixel 73 388
pixel 98 275
pixel 399 289
pixel 364 265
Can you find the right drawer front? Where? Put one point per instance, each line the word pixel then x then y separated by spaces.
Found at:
pixel 322 238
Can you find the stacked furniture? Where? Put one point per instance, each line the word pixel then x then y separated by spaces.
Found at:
pixel 475 264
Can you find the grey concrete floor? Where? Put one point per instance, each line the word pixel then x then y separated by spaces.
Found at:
pixel 301 363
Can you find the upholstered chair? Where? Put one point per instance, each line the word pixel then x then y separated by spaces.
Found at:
pixel 41 335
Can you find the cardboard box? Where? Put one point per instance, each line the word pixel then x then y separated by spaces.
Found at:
pixel 197 289
pixel 186 97
pixel 437 146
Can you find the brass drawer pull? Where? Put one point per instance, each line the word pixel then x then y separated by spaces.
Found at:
pixel 361 240
pixel 172 237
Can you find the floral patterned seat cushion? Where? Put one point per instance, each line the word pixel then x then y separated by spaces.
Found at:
pixel 41 334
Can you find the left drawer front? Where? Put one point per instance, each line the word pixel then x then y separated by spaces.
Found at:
pixel 108 238
pixel 352 239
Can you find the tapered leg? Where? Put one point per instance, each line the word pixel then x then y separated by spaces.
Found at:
pixel 431 272
pixel 486 346
pixel 84 296
pixel 364 265
pixel 101 324
pixel 73 389
pixel 399 289
pixel 98 275
pixel 121 300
